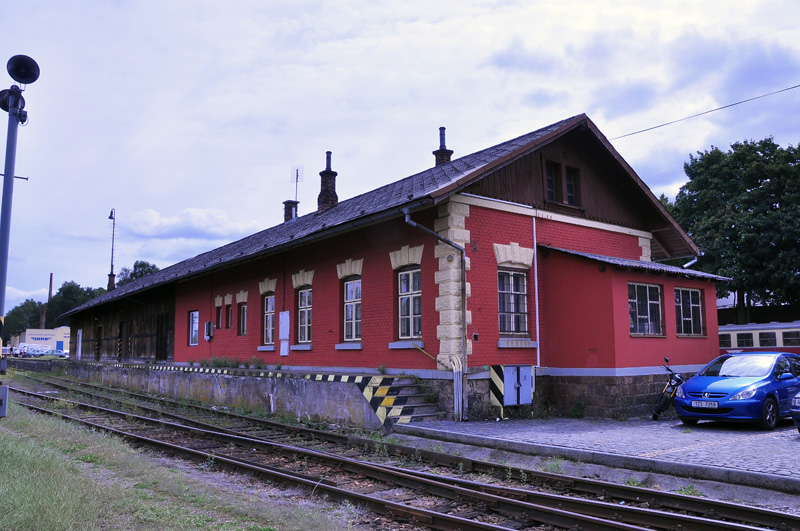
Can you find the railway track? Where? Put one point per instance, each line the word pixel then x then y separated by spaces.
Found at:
pixel 502 496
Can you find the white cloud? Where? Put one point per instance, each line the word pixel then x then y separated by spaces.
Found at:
pixel 185 116
pixel 191 223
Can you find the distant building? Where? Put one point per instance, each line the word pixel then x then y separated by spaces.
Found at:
pixel 57 338
pixel 541 252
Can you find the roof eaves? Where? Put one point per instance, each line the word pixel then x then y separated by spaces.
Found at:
pixel 194 269
pixel 644 188
pixel 641 265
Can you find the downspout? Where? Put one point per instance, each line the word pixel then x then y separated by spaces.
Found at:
pixel 459 365
pixel 536 296
pixel 693 261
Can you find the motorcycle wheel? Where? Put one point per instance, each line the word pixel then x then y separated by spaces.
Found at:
pixel 661 405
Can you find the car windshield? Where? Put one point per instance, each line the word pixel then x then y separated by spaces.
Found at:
pixel 749 366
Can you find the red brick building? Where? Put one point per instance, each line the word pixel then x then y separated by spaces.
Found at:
pixel 540 254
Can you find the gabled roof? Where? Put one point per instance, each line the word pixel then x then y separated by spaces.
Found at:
pixel 411 193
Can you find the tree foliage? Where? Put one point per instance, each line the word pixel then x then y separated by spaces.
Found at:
pixel 24 315
pixel 141 268
pixel 742 208
pixel 28 314
pixel 69 296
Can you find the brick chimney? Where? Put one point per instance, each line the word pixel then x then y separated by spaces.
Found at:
pixel 327 193
pixel 290 210
pixel 442 154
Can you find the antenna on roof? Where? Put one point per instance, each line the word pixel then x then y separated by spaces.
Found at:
pixel 296 177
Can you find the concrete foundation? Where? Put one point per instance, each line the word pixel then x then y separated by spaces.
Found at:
pixel 283 393
pixel 339 399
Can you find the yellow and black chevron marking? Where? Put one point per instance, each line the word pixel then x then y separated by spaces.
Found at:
pixel 378 390
pixel 497 389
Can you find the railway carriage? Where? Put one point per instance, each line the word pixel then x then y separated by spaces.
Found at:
pixel 782 337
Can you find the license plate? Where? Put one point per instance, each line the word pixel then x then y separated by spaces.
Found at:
pixel 703 403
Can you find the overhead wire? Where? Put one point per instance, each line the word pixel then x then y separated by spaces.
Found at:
pixel 707 112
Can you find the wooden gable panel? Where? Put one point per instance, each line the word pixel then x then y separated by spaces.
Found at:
pixel 599 196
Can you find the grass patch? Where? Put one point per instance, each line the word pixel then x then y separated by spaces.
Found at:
pixel 690 490
pixel 554 465
pixel 58 476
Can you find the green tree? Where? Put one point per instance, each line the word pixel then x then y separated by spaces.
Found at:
pixel 69 295
pixel 742 208
pixel 141 268
pixel 24 315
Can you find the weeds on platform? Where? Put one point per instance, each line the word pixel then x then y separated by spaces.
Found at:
pixel 690 490
pixel 633 482
pixel 554 465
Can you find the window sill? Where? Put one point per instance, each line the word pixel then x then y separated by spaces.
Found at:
pixel 695 336
pixel 649 335
pixel 407 344
pixel 301 346
pixel 266 348
pixel 349 345
pixel 516 342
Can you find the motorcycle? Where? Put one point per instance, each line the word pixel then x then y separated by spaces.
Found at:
pixel 668 393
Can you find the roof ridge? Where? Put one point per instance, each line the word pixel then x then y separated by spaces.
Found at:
pixel 386 198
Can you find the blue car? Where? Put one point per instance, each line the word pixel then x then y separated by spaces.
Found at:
pixel 795 412
pixel 750 387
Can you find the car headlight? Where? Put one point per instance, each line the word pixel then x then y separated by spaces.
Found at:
pixel 796 401
pixel 679 392
pixel 745 394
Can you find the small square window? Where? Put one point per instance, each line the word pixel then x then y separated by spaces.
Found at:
pixel 744 339
pixel 724 341
pixel 644 309
pixel 767 339
pixel 791 339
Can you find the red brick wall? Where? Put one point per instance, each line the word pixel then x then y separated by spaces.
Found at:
pixel 587 239
pixel 590 327
pixel 379 302
pixel 584 321
pixel 489 226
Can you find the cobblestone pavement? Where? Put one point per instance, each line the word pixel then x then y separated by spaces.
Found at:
pixel 721 449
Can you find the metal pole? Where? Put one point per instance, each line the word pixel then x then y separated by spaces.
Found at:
pixel 111 279
pixel 14 99
pixel 113 217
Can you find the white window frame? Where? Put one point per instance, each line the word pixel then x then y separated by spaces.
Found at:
pixel 645 309
pixel 242 311
pixel 689 312
pixel 352 309
pixel 512 303
pixel 194 328
pixel 409 299
pixel 304 306
pixel 269 319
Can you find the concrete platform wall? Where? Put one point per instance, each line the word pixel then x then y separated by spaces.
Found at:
pixel 282 393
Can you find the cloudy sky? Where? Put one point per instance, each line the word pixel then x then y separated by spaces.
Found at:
pixel 186 116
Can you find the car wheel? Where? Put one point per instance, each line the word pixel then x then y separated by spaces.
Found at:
pixel 769 414
pixel 689 422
